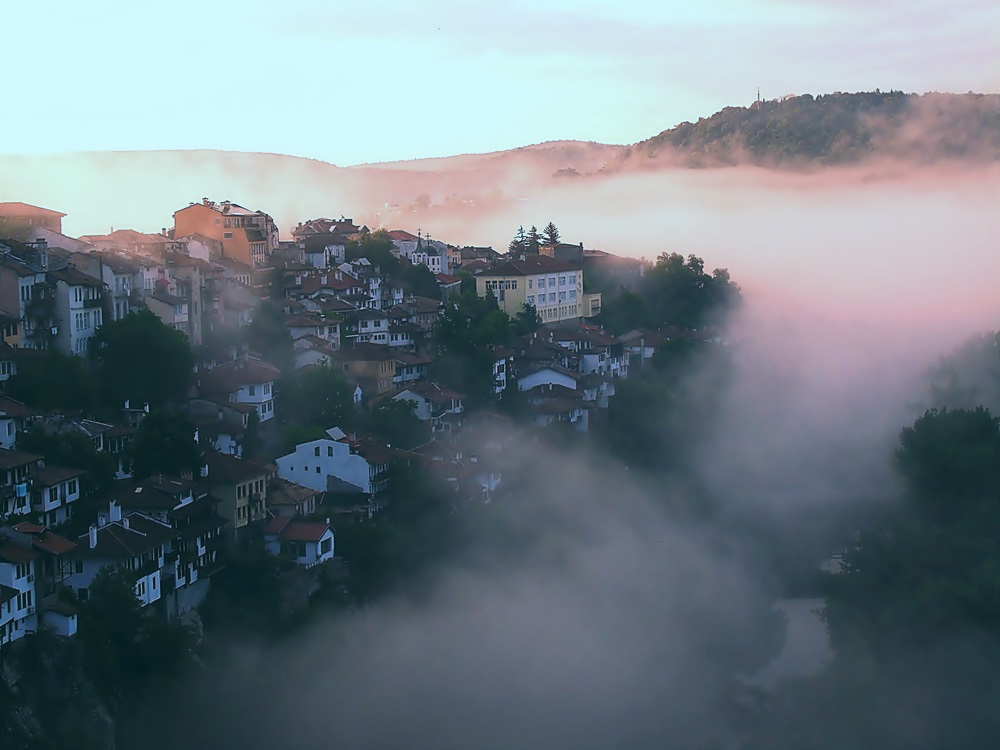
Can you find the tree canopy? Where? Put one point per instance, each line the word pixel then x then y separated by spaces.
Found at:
pixel 141 360
pixel 676 292
pixel 164 442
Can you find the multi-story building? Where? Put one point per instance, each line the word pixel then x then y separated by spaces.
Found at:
pixel 25 288
pixel 17 471
pixel 246 381
pixel 247 236
pixel 240 486
pixel 18 600
pixel 79 308
pixel 118 272
pixel 18 218
pixel 553 287
pixel 54 491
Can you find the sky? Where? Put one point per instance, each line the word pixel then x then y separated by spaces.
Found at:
pixel 388 80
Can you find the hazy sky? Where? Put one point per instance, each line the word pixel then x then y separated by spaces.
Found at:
pixel 385 79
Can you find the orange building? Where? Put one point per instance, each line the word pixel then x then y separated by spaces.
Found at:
pixel 247 236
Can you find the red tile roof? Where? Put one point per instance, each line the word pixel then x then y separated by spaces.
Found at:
pixel 296 531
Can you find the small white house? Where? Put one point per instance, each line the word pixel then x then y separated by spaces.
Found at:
pixel 54 491
pixel 305 544
pixel 311 463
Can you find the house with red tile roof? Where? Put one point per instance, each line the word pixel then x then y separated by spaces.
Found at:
pixel 307 544
pixel 18 599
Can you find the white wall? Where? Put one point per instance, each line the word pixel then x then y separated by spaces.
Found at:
pixel 335 459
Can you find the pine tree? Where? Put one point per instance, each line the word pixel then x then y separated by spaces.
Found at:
pixel 550 235
pixel 533 241
pixel 519 244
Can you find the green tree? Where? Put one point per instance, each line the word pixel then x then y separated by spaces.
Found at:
pixel 377 248
pixel 419 280
pixel 110 623
pixel 550 234
pixel 914 618
pixel 51 381
pixel 72 450
pixel 533 241
pixel 518 245
pixel 395 421
pixel 141 360
pixel 318 397
pixel 268 336
pixel 164 443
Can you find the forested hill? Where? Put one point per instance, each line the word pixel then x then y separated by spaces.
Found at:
pixel 835 129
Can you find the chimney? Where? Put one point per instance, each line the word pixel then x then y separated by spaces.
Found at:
pixel 115 511
pixel 93 536
pixel 125 523
pixel 102 521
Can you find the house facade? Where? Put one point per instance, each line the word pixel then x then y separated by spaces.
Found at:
pixel 553 287
pixel 246 236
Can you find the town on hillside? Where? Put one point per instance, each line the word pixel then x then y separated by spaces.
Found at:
pixel 177 404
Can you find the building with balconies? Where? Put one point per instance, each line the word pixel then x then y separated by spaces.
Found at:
pixel 79 302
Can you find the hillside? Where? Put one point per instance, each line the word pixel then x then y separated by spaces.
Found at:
pixel 833 129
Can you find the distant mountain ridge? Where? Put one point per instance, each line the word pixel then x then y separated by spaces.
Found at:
pixel 834 129
pixel 141 189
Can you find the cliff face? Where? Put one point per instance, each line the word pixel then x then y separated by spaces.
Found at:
pixel 47 701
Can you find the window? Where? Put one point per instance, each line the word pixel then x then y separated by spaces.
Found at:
pixel 317 470
pixel 329 450
pixel 531 283
pixel 227 235
pixel 552 281
pixel 562 281
pixel 252 389
pixel 552 295
pixel 531 299
pixel 316 451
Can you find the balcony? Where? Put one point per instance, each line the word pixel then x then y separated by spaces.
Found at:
pixel 93 302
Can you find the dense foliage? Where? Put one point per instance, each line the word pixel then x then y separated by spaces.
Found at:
pixel 676 292
pixel 915 616
pixel 836 129
pixel 141 360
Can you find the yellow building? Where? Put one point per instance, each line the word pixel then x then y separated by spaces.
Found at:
pixel 553 287
pixel 247 236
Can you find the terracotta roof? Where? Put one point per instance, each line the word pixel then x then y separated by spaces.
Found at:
pixel 116 542
pixel 296 531
pixel 226 469
pixel 232 376
pixel 366 352
pixel 12 458
pixel 47 476
pixel 44 539
pixel 7 593
pixel 168 299
pixel 10 407
pixel 447 280
pixel 14 553
pixel 402 235
pixel 154 493
pixel 18 209
pixel 533 264
pixel 75 277
pixel 282 492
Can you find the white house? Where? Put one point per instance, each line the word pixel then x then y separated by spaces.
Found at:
pixel 17 588
pixel 306 544
pixel 311 463
pixel 244 381
pixel 435 404
pixel 54 491
pixel 12 420
pixel 134 542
